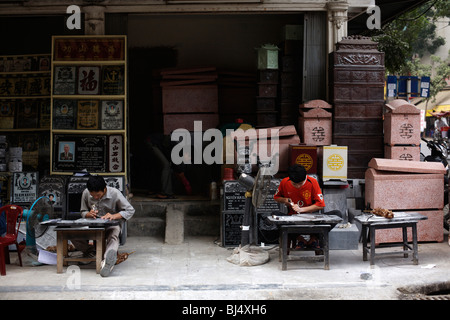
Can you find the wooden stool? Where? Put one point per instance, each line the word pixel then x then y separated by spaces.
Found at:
pixel 65 234
pixel 322 230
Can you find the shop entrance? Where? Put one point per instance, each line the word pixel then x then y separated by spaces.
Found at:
pixel 226 43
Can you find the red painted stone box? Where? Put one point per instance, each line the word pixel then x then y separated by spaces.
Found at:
pixel 304 155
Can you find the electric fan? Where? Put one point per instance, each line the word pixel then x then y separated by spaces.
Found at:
pixel 41 210
pixel 257 189
pixel 261 187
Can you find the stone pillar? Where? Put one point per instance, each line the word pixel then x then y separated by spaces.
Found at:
pixel 174 224
pixel 337 22
pixel 94 20
pixel 357 94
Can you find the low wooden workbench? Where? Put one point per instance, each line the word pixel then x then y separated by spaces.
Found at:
pixel 65 234
pixel 305 223
pixel 80 229
pixel 402 220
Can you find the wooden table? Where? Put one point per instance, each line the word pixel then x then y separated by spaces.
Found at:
pixel 65 234
pixel 80 229
pixel 402 220
pixel 320 224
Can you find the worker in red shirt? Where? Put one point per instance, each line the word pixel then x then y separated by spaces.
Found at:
pixel 301 194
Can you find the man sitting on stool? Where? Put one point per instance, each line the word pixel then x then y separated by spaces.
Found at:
pixel 101 201
pixel 301 194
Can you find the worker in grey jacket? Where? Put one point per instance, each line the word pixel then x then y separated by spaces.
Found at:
pixel 100 201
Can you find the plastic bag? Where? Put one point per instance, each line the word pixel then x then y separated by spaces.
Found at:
pixel 248 255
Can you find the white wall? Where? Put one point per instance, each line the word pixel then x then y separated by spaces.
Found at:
pixel 443 30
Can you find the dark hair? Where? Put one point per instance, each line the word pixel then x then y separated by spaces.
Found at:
pixel 297 173
pixel 96 183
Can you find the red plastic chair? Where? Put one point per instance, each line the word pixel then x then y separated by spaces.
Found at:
pixel 13 217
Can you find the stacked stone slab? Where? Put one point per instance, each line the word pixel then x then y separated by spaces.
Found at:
pixel 357 93
pixel 232 214
pixel 189 95
pixel 268 143
pixel 3 165
pixel 399 185
pixel 236 93
pixel 402 131
pixel 14 159
pixel 291 73
pixel 266 101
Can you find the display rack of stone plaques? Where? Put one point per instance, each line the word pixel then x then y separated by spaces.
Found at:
pixel 89 105
pixel 25 107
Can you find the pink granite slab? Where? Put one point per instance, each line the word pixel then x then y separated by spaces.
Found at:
pixel 315 113
pixel 402 106
pixel 403 166
pixel 175 121
pixel 401 128
pixel 316 127
pixel 265 133
pixel 403 191
pixel 269 149
pixel 427 230
pixel 405 153
pixel 315 104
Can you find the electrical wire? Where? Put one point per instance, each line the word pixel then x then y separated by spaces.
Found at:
pixel 412 19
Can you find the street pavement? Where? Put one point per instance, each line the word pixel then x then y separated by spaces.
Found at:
pixel 198 270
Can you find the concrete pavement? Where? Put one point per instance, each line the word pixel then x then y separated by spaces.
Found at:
pixel 198 269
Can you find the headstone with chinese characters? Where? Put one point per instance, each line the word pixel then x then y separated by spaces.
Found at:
pixel 315 126
pixel 401 124
pixel 333 162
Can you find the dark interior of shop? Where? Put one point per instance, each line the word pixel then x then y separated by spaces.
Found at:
pixel 230 46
